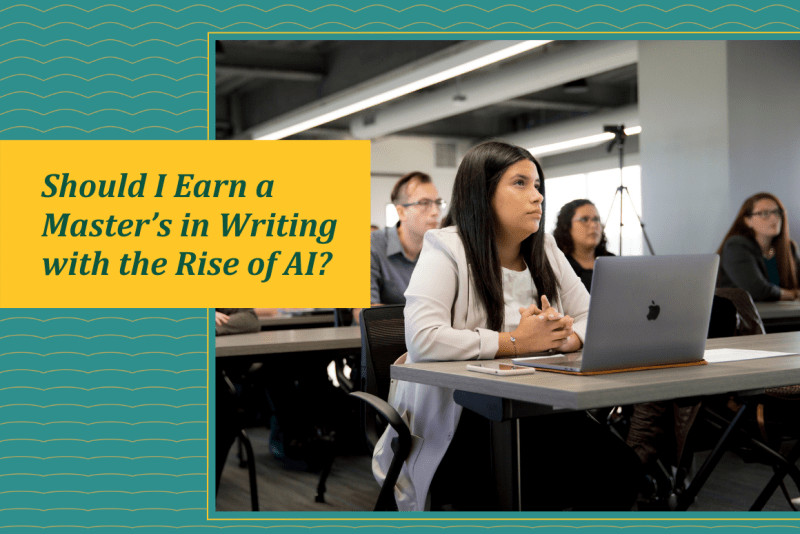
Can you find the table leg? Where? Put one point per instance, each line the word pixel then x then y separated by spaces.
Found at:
pixel 506 464
pixel 780 474
pixel 687 497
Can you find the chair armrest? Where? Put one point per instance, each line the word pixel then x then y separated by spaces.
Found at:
pixel 387 412
pixel 400 452
pixel 345 383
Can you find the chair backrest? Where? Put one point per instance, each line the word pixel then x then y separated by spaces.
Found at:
pixel 383 340
pixel 748 320
pixel 342 316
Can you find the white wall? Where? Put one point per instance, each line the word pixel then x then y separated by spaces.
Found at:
pixel 720 122
pixel 402 154
pixel 764 107
pixel 683 111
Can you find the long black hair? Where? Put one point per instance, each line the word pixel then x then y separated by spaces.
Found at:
pixel 563 228
pixel 471 212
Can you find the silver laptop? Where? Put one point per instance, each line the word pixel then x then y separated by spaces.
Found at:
pixel 644 311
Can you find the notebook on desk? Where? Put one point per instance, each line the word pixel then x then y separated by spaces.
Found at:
pixel 645 312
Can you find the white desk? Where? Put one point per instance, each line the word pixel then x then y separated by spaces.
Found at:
pixel 504 400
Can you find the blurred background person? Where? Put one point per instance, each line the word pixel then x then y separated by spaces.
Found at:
pixel 579 234
pixel 394 250
pixel 757 254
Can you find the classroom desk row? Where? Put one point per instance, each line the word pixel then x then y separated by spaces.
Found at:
pixel 504 400
pixel 278 342
pixel 291 320
pixel 777 317
pixel 780 316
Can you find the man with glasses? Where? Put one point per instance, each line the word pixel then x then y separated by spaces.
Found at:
pixel 395 250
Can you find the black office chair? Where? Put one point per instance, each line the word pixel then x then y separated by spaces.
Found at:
pixel 382 342
pixel 230 426
pixel 775 420
pixel 342 317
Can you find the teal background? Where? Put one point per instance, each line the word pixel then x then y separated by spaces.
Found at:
pixel 102 412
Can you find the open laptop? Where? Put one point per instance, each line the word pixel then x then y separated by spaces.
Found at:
pixel 644 312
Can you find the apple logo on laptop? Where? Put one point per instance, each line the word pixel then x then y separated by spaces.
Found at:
pixel 654 310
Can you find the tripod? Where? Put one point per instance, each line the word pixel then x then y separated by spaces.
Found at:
pixel 619 142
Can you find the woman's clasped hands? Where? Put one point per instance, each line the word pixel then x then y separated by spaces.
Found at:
pixel 545 329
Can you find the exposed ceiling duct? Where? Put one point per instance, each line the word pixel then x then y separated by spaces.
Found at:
pixel 561 132
pixel 405 79
pixel 514 80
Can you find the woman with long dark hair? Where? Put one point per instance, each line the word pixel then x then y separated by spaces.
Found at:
pixel 580 236
pixel 757 253
pixel 476 294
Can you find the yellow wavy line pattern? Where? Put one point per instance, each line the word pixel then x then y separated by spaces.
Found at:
pixel 103 318
pixel 102 457
pixel 102 93
pixel 99 405
pixel 645 522
pixel 358 10
pixel 103 41
pixel 102 423
pixel 204 58
pixel 102 76
pixel 102 387
pixel 109 109
pixel 266 28
pixel 100 371
pixel 99 509
pixel 488 527
pixel 102 475
pixel 530 28
pixel 103 491
pixel 105 352
pixel 102 335
pixel 101 439
pixel 104 127
pixel 454 519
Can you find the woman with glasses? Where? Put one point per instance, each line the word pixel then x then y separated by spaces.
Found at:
pixel 757 253
pixel 491 284
pixel 579 234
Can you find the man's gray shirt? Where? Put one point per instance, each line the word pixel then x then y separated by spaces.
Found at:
pixel 391 269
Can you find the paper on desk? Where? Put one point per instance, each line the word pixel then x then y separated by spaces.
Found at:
pixel 735 355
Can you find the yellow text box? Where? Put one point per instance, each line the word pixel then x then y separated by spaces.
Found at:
pixel 211 223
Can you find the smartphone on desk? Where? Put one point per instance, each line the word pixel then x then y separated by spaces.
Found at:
pixel 502 369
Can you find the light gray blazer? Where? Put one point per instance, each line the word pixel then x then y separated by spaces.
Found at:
pixel 445 321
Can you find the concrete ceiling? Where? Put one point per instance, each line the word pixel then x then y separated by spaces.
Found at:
pixel 262 81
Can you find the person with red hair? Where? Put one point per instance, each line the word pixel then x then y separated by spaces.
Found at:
pixel 757 254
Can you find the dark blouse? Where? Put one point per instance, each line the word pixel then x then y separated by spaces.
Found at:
pixel 742 265
pixel 773 275
pixel 584 274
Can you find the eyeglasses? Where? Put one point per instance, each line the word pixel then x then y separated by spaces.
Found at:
pixel 765 214
pixel 426 203
pixel 587 220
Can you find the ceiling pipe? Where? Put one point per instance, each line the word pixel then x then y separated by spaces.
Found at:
pixel 569 130
pixel 269 74
pixel 425 72
pixel 523 77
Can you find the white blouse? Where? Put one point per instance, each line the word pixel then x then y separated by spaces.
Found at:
pixel 519 291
